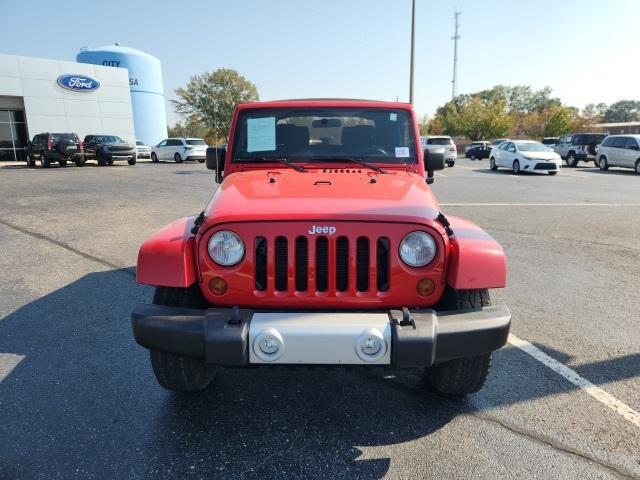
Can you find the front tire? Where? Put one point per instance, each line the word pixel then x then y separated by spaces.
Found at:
pixel 45 162
pixel 572 161
pixel 603 164
pixel 492 164
pixel 461 376
pixel 516 167
pixel 638 167
pixel 62 162
pixel 154 158
pixel 132 160
pixel 177 158
pixel 175 372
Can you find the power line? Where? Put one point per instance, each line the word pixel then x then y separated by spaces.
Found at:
pixel 413 48
pixel 455 38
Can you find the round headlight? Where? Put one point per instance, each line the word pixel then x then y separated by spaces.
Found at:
pixel 226 248
pixel 417 249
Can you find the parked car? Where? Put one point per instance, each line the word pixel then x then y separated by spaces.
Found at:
pixel 431 142
pixel 480 152
pixel 480 143
pixel 142 150
pixel 549 141
pixel 577 147
pixel 620 151
pixel 105 149
pixel 525 156
pixel 322 253
pixel 58 148
pixel 180 149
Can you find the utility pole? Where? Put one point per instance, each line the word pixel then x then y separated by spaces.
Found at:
pixel 413 48
pixel 455 38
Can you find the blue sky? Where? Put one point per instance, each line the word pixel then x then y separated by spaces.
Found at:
pixel 586 51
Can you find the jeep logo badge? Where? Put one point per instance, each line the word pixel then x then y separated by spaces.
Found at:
pixel 78 83
pixel 315 229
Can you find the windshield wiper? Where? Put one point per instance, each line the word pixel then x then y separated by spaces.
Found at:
pixel 359 161
pixel 284 161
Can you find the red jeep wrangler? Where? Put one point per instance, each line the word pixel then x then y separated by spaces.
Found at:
pixel 323 245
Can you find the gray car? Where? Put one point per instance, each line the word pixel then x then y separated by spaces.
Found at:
pixel 619 151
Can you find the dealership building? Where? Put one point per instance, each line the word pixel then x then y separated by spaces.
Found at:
pixel 112 90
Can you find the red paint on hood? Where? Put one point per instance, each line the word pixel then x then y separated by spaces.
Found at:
pixel 322 194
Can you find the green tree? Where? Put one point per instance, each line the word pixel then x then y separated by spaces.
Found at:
pixel 559 120
pixel 623 111
pixel 208 100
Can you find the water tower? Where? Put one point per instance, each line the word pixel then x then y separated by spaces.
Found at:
pixel 145 82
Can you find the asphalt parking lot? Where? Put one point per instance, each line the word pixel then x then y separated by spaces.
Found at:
pixel 78 399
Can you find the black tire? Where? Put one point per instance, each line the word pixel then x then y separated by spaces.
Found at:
pixel 178 372
pixel 553 173
pixel 154 158
pixel 472 157
pixel 572 161
pixel 80 161
pixel 62 162
pixel 461 375
pixel 177 158
pixel 492 164
pixel 132 160
pixel 201 160
pixel 638 167
pixel 516 167
pixel 450 164
pixel 31 162
pixel 100 159
pixel 603 164
pixel 45 162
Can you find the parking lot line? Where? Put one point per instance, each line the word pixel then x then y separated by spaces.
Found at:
pixel 599 394
pixel 583 204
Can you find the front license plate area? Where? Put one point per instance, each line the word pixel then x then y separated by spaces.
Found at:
pixel 320 338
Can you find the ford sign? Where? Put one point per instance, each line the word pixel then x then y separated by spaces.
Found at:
pixel 78 83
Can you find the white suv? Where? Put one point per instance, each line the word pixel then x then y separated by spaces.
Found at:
pixel 180 149
pixel 451 151
pixel 620 151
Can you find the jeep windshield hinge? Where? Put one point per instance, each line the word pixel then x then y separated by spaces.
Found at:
pixel 199 221
pixel 445 223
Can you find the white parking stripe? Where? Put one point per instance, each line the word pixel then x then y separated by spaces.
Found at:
pixel 584 204
pixel 599 394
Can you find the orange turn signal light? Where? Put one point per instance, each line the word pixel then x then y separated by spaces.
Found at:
pixel 218 286
pixel 425 287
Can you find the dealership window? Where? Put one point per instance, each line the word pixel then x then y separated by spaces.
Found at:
pixel 13 135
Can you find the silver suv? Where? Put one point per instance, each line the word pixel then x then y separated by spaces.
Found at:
pixel 431 142
pixel 620 151
pixel 576 147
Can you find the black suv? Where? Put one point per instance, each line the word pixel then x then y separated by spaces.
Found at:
pixel 107 148
pixel 55 147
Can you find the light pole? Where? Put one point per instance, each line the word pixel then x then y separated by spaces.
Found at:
pixel 413 48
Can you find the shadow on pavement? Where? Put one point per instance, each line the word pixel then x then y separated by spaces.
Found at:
pixel 83 402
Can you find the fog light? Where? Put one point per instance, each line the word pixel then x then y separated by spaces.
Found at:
pixel 371 346
pixel 425 287
pixel 268 345
pixel 218 286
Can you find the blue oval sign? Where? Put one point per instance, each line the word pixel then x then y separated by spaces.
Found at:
pixel 78 83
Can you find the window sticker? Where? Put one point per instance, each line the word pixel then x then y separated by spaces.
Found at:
pixel 261 134
pixel 402 152
pixel 393 117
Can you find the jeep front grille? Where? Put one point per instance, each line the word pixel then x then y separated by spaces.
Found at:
pixel 351 261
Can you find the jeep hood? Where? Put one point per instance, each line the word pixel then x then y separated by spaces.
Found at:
pixel 322 194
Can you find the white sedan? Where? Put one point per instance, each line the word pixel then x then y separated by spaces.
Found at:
pixel 525 156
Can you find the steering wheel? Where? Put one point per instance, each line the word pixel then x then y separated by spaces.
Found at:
pixel 373 150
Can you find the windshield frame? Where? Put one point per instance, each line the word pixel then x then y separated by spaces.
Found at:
pixel 544 148
pixel 321 159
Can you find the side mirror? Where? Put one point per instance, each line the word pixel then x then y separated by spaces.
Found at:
pixel 433 160
pixel 215 161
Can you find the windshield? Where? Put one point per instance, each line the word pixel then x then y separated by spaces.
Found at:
pixel 498 141
pixel 325 133
pixel 532 147
pixel 108 139
pixel 196 142
pixel 140 142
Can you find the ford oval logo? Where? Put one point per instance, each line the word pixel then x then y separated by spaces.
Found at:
pixel 78 83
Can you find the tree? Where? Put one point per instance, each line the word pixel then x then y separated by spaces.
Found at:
pixel 473 117
pixel 208 100
pixel 197 130
pixel 623 111
pixel 560 120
